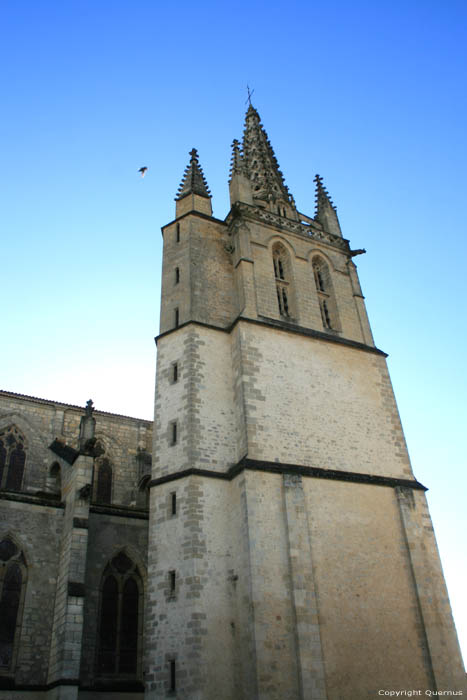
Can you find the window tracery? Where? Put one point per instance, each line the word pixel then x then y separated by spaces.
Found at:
pixel 283 280
pixel 12 458
pixel 325 290
pixel 12 588
pixel 120 618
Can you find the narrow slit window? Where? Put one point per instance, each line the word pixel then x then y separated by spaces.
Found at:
pixel 173 503
pixel 175 372
pixel 172 581
pixel 176 318
pixel 173 433
pixel 173 677
pixel 177 233
pixel 177 275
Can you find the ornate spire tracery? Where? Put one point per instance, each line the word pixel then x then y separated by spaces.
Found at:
pixel 193 181
pixel 261 164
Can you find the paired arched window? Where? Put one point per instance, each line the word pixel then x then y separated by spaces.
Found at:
pixel 12 585
pixel 282 275
pixel 120 618
pixel 325 290
pixel 12 458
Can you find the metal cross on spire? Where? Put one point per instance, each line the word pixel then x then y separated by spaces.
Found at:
pixel 250 92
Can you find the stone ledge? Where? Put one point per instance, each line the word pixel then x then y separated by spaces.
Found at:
pixel 282 468
pixel 119 511
pixel 279 325
pixel 40 500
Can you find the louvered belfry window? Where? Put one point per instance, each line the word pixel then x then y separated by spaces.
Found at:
pixel 282 277
pixel 325 291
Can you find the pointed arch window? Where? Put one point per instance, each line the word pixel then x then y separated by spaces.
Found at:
pixel 12 589
pixel 103 480
pixel 281 263
pixel 325 290
pixel 12 458
pixel 143 492
pixel 54 480
pixel 120 618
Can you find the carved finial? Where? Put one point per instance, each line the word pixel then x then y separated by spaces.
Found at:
pixel 87 427
pixel 236 163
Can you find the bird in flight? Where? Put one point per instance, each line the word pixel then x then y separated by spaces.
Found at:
pixel 143 171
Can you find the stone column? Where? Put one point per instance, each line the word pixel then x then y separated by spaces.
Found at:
pixel 67 631
pixel 442 654
pixel 309 650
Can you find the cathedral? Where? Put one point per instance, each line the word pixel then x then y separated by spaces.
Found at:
pixel 265 538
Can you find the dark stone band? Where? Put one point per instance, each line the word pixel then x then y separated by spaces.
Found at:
pixel 280 468
pixel 280 325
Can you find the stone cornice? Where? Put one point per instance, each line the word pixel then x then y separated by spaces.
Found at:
pixel 281 468
pixel 282 326
pixel 40 499
pixel 311 231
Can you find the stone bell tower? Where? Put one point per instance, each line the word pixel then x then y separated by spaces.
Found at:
pixel 291 551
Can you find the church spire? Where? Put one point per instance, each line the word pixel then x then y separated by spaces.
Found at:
pixel 262 167
pixel 326 212
pixel 193 181
pixel 193 193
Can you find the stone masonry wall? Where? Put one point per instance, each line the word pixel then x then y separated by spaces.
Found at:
pixel 42 421
pixel 318 404
pixel 205 290
pixel 36 529
pixel 370 625
pixel 305 311
pixel 108 535
pixel 200 401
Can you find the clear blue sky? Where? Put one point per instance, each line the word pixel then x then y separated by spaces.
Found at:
pixel 371 95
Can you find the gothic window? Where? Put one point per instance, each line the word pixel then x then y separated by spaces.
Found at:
pixel 326 298
pixel 12 585
pixel 104 480
pixel 120 618
pixel 143 492
pixel 54 481
pixel 281 263
pixel 12 458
